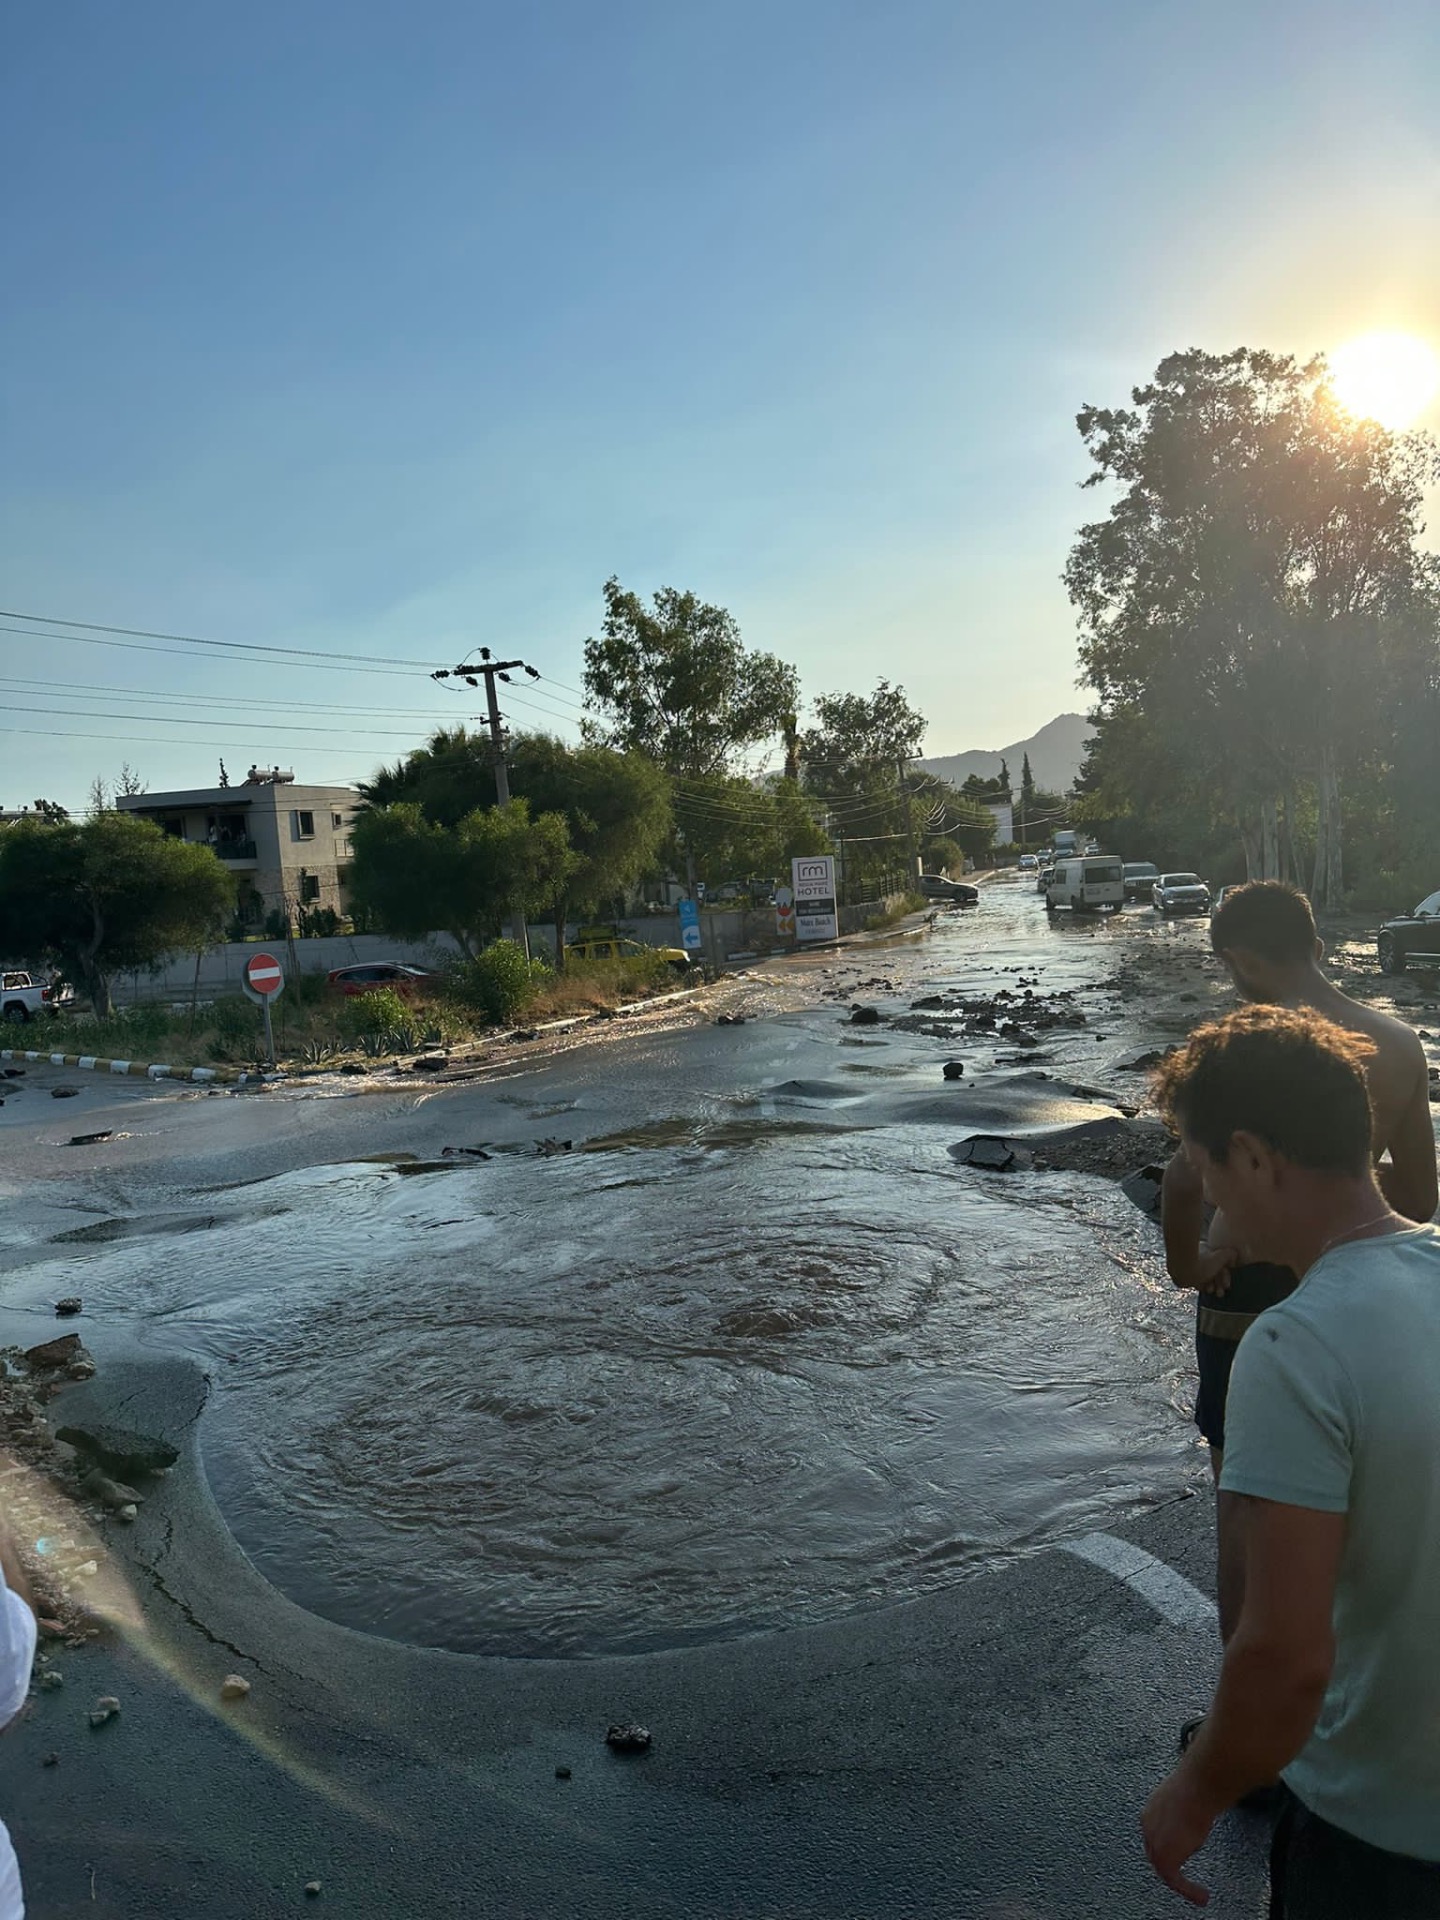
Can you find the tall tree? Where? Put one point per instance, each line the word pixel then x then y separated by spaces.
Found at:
pixel 415 875
pixel 737 829
pixel 855 759
pixel 674 680
pixel 616 806
pixel 617 810
pixel 107 895
pixel 1244 592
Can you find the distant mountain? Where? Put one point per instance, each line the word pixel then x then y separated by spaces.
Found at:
pixel 1056 752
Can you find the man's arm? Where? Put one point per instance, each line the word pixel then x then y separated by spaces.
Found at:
pixel 1277 1667
pixel 1408 1179
pixel 1182 1220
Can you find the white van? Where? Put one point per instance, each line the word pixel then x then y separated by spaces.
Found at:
pixel 1094 883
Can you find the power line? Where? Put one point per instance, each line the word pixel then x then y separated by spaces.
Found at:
pixel 203 699
pixel 179 653
pixel 228 726
pixel 198 640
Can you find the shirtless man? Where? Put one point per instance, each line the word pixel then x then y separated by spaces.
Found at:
pixel 1265 934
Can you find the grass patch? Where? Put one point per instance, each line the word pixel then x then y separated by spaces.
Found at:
pixel 318 1028
pixel 909 903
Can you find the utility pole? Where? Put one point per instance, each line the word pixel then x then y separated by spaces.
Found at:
pixel 489 670
pixel 911 839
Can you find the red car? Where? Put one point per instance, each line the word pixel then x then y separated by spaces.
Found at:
pixel 408 982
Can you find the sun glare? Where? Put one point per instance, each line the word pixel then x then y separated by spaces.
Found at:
pixel 1389 377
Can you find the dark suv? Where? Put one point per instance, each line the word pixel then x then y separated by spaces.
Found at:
pixel 1414 936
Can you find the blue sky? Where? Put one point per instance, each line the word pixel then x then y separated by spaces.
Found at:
pixel 391 329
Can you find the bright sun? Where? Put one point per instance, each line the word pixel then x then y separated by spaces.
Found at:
pixel 1389 377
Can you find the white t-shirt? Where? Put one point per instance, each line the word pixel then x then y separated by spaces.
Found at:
pixel 1333 1406
pixel 17 1657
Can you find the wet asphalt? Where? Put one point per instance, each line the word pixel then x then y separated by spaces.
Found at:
pixel 981 1750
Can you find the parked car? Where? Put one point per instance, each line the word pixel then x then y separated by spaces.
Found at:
pixel 1140 877
pixel 1180 893
pixel 23 998
pixel 1223 895
pixel 1413 936
pixel 938 886
pixel 409 982
pixel 591 945
pixel 1090 884
pixel 1029 863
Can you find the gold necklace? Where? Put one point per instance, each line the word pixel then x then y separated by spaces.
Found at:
pixel 1352 1232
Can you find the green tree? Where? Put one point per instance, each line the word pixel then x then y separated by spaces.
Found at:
pixel 617 810
pixel 736 829
pixel 855 759
pixel 674 680
pixel 108 895
pixel 413 875
pixel 616 806
pixel 1248 596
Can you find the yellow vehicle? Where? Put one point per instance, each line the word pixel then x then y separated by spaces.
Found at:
pixel 604 943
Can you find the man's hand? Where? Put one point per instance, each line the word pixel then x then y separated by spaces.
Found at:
pixel 1209 1271
pixel 1176 1823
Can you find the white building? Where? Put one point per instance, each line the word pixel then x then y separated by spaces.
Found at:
pixel 287 845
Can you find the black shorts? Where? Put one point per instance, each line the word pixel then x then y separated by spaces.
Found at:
pixel 1320 1872
pixel 1215 1358
pixel 1253 1288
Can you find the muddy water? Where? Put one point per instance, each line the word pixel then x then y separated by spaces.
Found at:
pixel 754 1351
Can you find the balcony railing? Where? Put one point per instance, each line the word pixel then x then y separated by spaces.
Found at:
pixel 234 849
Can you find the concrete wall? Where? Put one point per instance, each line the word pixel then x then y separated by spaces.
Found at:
pixel 725 934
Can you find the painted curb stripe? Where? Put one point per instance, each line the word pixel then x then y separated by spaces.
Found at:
pixel 135 1069
pixel 1169 1593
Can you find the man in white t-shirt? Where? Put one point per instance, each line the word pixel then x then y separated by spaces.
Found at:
pixel 1332 1676
pixel 17 1657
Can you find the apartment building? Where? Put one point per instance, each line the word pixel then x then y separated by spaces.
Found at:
pixel 288 845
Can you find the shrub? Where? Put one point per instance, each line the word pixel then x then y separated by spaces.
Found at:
pixel 380 1012
pixel 236 1025
pixel 501 983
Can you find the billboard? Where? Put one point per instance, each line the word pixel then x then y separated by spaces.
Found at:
pixel 813 880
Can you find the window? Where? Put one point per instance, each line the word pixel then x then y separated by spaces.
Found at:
pixel 337 820
pixel 302 825
pixel 309 888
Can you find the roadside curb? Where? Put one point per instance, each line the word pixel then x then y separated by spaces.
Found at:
pixel 136 1069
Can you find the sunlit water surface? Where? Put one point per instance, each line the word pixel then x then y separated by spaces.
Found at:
pixel 760 1361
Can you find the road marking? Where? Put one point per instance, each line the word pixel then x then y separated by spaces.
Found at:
pixel 1169 1593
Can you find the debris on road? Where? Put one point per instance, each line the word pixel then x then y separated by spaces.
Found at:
pixel 104 1710
pixel 628 1739
pixel 72 1303
pixel 992 1152
pixel 64 1093
pixel 51 1354
pixel 234 1687
pixel 865 1016
pixel 91 1139
pixel 118 1450
pixel 953 1069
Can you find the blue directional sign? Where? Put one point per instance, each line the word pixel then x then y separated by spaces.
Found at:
pixel 690 926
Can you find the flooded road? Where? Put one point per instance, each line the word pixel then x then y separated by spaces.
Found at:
pixel 742 1348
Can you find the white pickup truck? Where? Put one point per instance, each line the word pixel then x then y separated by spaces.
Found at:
pixel 22 998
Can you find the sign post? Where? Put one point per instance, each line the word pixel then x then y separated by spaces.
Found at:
pixel 263 980
pixel 816 917
pixel 691 938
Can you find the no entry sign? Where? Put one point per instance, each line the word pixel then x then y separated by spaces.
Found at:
pixel 264 977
